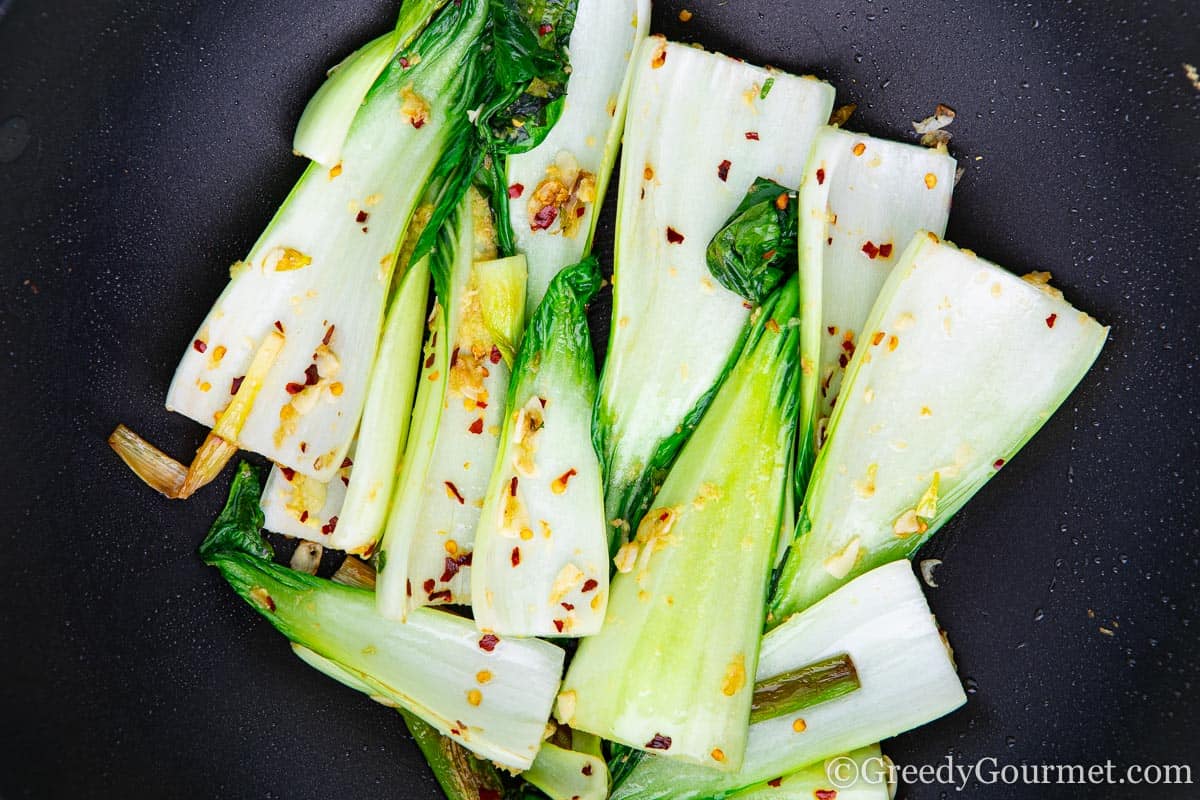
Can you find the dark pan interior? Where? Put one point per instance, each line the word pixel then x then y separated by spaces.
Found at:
pixel 143 145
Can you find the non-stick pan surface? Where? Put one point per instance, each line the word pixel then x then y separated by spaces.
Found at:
pixel 143 146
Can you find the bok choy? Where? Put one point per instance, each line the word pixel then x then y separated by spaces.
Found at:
pixel 862 201
pixel 491 695
pixel 907 679
pixel 700 129
pixel 960 363
pixel 660 675
pixel 478 317
pixel 858 775
pixel 280 365
pixel 541 552
pixel 554 190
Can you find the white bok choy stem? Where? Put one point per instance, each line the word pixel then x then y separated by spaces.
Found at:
pixel 427 548
pixel 959 364
pixel 319 276
pixel 568 775
pixel 861 202
pixel 302 507
pixel 672 670
pixel 700 129
pixel 541 550
pixel 570 170
pixel 327 118
pixel 881 620
pixel 858 775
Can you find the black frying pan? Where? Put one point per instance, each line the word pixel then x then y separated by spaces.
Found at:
pixel 143 146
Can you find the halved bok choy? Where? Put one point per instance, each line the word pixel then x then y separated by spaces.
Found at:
pixel 700 129
pixel 281 364
pixel 862 201
pixel 857 775
pixel 672 669
pixel 474 332
pixel 554 190
pixel 959 364
pixel 881 620
pixel 541 551
pixel 491 695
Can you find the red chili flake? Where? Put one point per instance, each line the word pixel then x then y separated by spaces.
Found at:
pixel 408 586
pixel 362 217
pixel 495 355
pixel 767 256
pixel 820 177
pixel 279 326
pixel 404 62
pixel 848 346
pixel 480 404
pixel 723 170
pixel 589 585
pixel 542 400
pixel 1050 320
pixel 328 336
pixel 453 565
pixel 674 236
pixel 311 376
pixel 330 527
pixel 568 606
pixel 843 360
pixel 832 330
pixel 558 625
pixel 579 212
pixel 457 495
pixel 829 241
pixel 544 218
pixel 998 463
pixel 489 794
pixel 288 472
pixel 512 487
pixel 871 250
pixel 428 585
pixel 476 426
pixel 659 742
pixel 345 481
pixel 885 250
pixel 752 135
pixel 444 594
pixel 200 345
pixel 587 769
pixel 418 122
pixel 236 385
pixel 454 358
pixel 488 642
pixel 775 783
pixel 545 29
pixel 429 361
pixel 304 516
pixel 304 447
pixel 346 464
pixel 516 556
pixel 516 190
pixel 746 304
pixel 294 388
pixel 825 794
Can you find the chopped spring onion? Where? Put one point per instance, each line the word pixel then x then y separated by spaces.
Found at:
pixel 699 131
pixel 803 687
pixel 660 676
pixel 858 775
pixel 427 548
pixel 355 572
pixel 320 274
pixel 960 363
pixel 569 171
pixel 568 775
pixel 491 695
pixel 541 551
pixel 882 621
pixel 861 202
